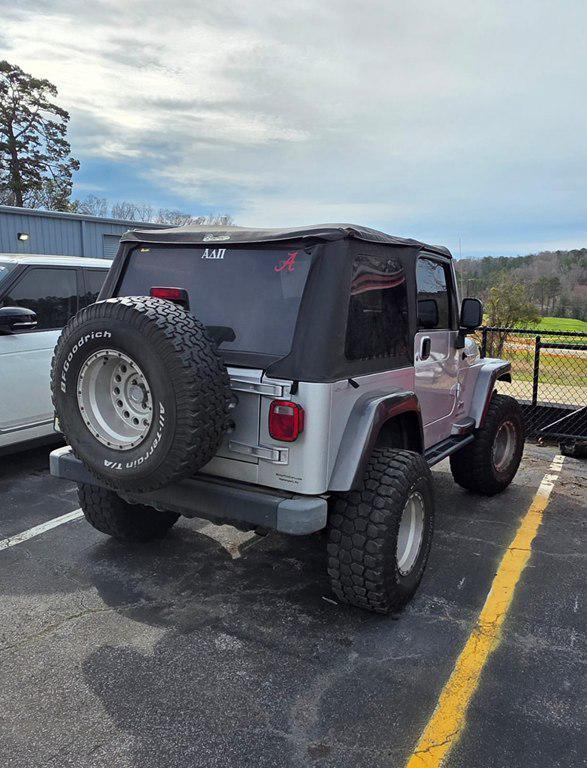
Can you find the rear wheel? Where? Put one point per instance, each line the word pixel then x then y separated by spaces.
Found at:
pixel 379 537
pixel 110 514
pixel 489 464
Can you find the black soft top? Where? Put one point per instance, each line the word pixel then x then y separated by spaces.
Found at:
pixel 318 350
pixel 196 235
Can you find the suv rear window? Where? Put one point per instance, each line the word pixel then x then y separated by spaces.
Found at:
pixel 256 292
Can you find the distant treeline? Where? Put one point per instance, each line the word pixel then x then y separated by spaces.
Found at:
pixel 555 280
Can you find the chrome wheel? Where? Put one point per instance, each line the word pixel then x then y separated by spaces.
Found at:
pixel 411 533
pixel 504 446
pixel 114 399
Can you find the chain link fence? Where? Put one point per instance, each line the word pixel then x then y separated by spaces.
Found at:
pixel 549 377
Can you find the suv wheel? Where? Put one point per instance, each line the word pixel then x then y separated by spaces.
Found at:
pixel 488 464
pixel 379 536
pixel 110 514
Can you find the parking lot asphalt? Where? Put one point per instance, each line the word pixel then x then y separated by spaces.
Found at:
pixel 180 654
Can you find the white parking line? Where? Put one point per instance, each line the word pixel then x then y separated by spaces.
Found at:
pixel 19 538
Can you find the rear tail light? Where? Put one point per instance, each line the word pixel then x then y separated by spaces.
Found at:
pixel 286 420
pixel 176 295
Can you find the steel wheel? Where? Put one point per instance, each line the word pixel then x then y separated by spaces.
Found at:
pixel 411 533
pixel 114 399
pixel 504 446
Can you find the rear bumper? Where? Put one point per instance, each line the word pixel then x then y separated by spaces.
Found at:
pixel 216 500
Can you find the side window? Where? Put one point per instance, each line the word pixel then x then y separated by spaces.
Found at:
pixel 51 292
pixel 433 294
pixel 94 278
pixel 377 323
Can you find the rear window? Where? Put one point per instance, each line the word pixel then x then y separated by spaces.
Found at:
pixel 256 292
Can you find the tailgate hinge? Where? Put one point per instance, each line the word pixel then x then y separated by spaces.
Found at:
pixel 239 384
pixel 274 455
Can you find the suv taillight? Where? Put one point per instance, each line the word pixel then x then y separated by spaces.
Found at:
pixel 286 420
pixel 176 295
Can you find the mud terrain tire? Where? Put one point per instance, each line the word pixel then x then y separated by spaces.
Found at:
pixel 110 514
pixel 183 392
pixel 364 530
pixel 474 467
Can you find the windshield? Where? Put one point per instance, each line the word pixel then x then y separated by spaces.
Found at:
pixel 5 268
pixel 255 292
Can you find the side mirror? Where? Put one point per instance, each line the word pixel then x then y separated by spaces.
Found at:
pixel 471 314
pixel 17 319
pixel 427 313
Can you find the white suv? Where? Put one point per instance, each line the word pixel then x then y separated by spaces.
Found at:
pixel 38 295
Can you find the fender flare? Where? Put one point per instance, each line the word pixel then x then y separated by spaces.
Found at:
pixel 491 371
pixel 366 419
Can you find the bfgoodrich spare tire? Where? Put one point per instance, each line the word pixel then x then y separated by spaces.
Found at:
pixel 140 392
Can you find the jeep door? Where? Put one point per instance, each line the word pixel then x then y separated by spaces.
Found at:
pixel 436 359
pixel 26 411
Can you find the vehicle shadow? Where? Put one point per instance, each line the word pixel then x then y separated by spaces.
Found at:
pixel 189 577
pixel 249 655
pixel 246 662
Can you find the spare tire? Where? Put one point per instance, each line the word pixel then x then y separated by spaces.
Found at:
pixel 140 392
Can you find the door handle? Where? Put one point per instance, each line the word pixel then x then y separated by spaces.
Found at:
pixel 425 348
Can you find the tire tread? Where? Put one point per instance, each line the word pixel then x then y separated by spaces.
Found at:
pixel 471 466
pixel 363 527
pixel 110 514
pixel 200 380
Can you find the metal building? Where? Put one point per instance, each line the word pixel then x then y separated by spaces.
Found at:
pixel 24 230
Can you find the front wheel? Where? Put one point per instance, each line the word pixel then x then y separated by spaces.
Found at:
pixel 379 536
pixel 489 464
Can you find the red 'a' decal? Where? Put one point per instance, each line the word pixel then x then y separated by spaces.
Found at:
pixel 288 263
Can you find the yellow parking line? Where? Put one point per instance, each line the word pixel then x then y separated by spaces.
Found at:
pixel 448 719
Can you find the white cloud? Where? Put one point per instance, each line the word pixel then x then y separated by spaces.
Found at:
pixel 427 118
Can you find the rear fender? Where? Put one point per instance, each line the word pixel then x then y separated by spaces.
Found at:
pixel 368 416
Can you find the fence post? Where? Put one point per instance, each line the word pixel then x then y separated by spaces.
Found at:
pixel 484 341
pixel 536 374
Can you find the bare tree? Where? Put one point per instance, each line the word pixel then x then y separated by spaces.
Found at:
pixel 214 220
pixel 91 205
pixel 171 216
pixel 129 211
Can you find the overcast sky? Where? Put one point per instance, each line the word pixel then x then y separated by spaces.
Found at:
pixel 440 119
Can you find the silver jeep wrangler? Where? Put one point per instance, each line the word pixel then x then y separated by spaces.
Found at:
pixel 294 379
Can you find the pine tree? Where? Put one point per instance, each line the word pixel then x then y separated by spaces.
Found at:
pixel 36 167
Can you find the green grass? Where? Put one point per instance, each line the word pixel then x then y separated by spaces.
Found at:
pixel 558 369
pixel 561 324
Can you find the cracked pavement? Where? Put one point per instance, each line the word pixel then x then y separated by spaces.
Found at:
pixel 179 654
